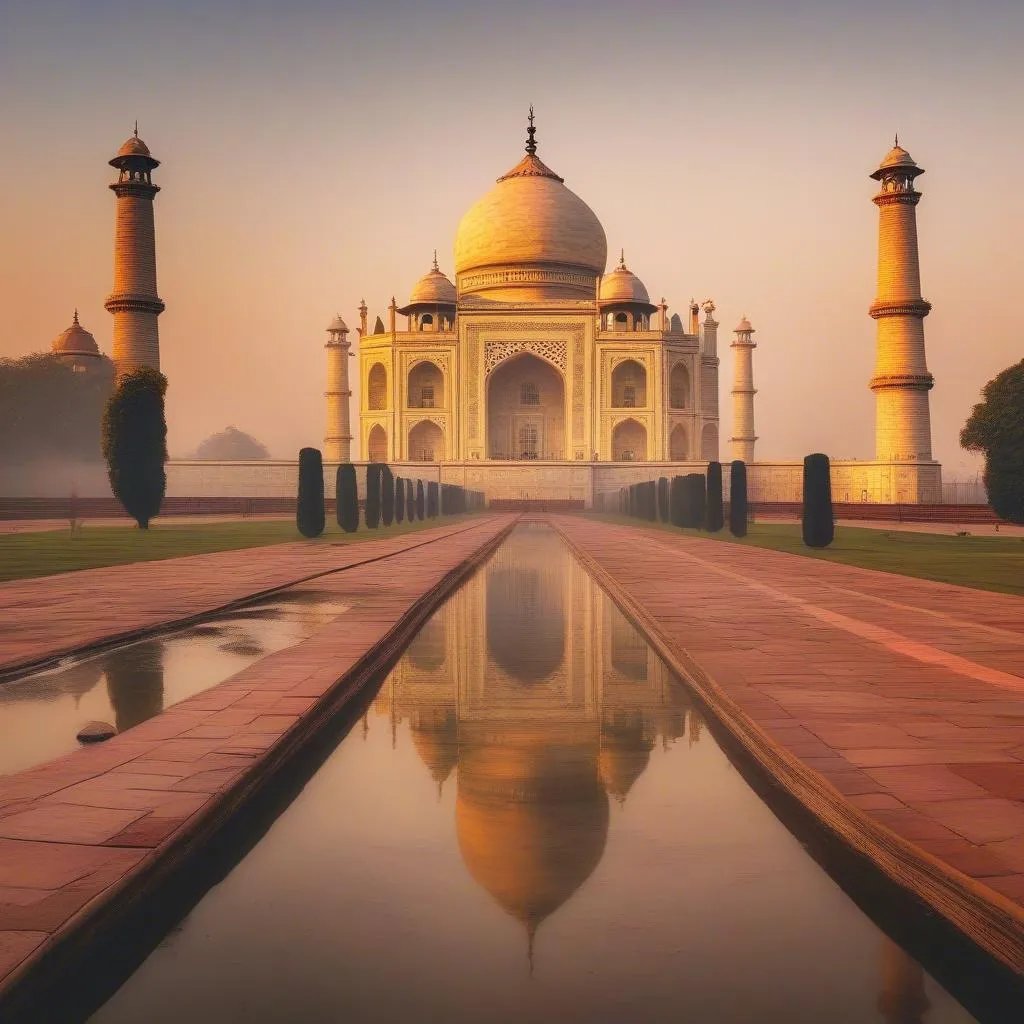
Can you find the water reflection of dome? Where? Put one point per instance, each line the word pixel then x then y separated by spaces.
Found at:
pixel 626 745
pixel 523 604
pixel 435 735
pixel 531 816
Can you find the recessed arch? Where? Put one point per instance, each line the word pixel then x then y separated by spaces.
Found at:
pixel 426 442
pixel 525 406
pixel 709 442
pixel 678 444
pixel 377 444
pixel 679 387
pixel 629 385
pixel 377 387
pixel 629 441
pixel 426 386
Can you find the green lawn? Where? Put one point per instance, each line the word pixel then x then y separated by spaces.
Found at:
pixel 42 554
pixel 988 563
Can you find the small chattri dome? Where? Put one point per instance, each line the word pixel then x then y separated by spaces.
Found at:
pixel 743 326
pixel 433 289
pixel 898 157
pixel 622 285
pixel 75 341
pixel 337 324
pixel 134 146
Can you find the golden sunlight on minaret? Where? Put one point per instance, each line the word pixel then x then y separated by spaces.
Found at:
pixel 901 382
pixel 338 441
pixel 743 392
pixel 134 302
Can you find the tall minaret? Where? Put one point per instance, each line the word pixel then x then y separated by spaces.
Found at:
pixel 743 392
pixel 338 442
pixel 901 382
pixel 134 301
pixel 709 383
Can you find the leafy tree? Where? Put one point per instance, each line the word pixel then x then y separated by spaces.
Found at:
pixel 738 498
pixel 373 477
pixel 309 511
pixel 663 503
pixel 715 514
pixel 818 525
pixel 231 445
pixel 346 490
pixel 996 427
pixel 135 443
pixel 399 499
pixel 387 495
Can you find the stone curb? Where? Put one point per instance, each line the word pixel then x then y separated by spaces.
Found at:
pixel 988 919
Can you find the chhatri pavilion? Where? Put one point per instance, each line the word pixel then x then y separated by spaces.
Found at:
pixel 534 352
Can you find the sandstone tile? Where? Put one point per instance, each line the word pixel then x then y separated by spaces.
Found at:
pixel 980 819
pixel 67 823
pixel 15 946
pixel 53 865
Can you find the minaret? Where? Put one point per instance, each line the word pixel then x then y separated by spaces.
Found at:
pixel 338 441
pixel 709 383
pixel 743 392
pixel 901 382
pixel 134 301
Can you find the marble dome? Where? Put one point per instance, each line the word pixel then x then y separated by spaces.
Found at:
pixel 622 285
pixel 434 289
pixel 530 237
pixel 75 341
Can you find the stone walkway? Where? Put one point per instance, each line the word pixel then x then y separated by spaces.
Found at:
pixel 906 695
pixel 74 833
pixel 48 615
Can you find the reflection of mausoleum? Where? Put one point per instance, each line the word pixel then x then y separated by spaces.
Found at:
pixel 545 699
pixel 535 353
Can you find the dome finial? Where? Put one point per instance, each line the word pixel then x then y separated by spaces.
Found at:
pixel 622 259
pixel 531 135
pixel 436 267
pixel 896 139
pixel 76 316
pixel 136 127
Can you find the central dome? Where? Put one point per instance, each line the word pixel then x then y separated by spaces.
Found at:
pixel 530 238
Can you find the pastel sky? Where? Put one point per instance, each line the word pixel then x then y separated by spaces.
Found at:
pixel 315 153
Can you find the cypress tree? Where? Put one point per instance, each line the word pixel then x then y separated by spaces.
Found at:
pixel 410 501
pixel 677 500
pixel 652 500
pixel 818 525
pixel 309 510
pixel 399 499
pixel 663 501
pixel 346 492
pixel 135 443
pixel 387 495
pixel 432 499
pixel 738 499
pixel 421 509
pixel 715 519
pixel 373 477
pixel 689 502
pixel 700 500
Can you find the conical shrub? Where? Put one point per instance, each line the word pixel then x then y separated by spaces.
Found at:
pixel 309 509
pixel 346 490
pixel 738 498
pixel 818 525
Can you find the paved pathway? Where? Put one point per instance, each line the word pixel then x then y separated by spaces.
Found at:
pixel 906 695
pixel 51 614
pixel 74 830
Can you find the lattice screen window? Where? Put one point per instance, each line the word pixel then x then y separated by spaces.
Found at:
pixel 529 394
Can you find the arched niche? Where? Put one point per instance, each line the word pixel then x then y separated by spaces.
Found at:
pixel 629 385
pixel 426 442
pixel 377 444
pixel 426 386
pixel 377 387
pixel 525 406
pixel 679 387
pixel 678 444
pixel 629 441
pixel 709 442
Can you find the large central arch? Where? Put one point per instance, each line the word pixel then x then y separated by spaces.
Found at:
pixel 526 410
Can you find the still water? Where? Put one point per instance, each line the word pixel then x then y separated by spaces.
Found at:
pixel 41 714
pixel 531 823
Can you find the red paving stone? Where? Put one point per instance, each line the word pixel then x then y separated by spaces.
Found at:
pixel 73 828
pixel 74 609
pixel 904 694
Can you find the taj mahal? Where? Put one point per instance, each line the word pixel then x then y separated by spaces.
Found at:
pixel 538 374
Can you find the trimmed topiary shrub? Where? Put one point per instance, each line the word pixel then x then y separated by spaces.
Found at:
pixel 432 501
pixel 410 500
pixel 818 526
pixel 387 495
pixel 677 499
pixel 652 500
pixel 399 499
pixel 694 501
pixel 738 498
pixel 715 518
pixel 373 477
pixel 421 505
pixel 309 510
pixel 663 505
pixel 135 443
pixel 346 491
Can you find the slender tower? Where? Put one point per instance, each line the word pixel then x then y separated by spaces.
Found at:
pixel 338 442
pixel 743 392
pixel 134 302
pixel 709 383
pixel 901 382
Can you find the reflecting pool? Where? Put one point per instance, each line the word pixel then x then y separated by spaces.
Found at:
pixel 41 714
pixel 531 823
